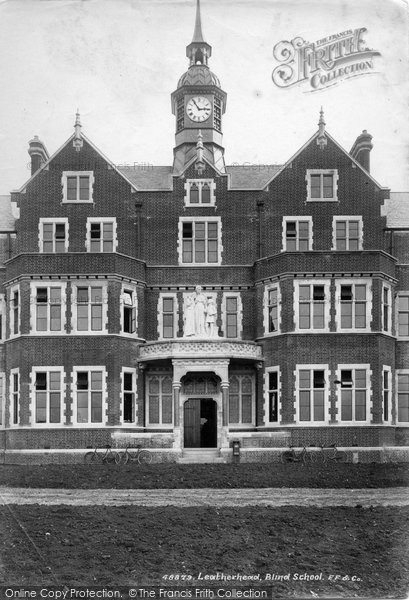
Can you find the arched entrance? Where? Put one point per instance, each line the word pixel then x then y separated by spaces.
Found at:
pixel 200 423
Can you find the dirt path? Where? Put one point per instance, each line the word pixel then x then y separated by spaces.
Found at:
pixel 208 497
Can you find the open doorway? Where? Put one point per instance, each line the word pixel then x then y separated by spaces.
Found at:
pixel 200 423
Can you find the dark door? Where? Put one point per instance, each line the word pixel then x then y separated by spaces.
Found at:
pixel 200 423
pixel 192 423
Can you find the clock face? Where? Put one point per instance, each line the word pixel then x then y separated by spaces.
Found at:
pixel 199 109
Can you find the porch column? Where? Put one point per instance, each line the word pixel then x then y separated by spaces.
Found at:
pixel 176 385
pixel 225 402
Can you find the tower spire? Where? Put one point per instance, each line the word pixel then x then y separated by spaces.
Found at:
pixel 198 34
pixel 77 141
pixel 198 51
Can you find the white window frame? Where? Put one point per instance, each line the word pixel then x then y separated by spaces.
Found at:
pixel 266 316
pixel 2 318
pixel 327 305
pixel 239 424
pixel 89 284
pixel 400 372
pixel 334 173
pixel 368 409
pixel 33 375
pixel 368 302
pixel 206 220
pixel 200 183
pixel 78 174
pixel 104 391
pixel 239 313
pixel 387 369
pixel 128 288
pixel 386 288
pixel 174 297
pixel 2 400
pixel 347 219
pixel 34 285
pixel 133 372
pixel 297 219
pixel 52 221
pixel 12 392
pixel 326 389
pixel 159 425
pixel 267 391
pixel 13 289
pixel 401 294
pixel 101 221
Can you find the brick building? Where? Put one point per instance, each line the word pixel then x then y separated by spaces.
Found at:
pixel 187 306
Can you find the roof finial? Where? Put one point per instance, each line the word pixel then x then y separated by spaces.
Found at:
pixel 78 141
pixel 198 34
pixel 321 139
pixel 200 165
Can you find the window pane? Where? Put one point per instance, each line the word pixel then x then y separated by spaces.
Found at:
pixel 96 380
pixel 82 317
pixel 403 303
pixel 328 186
pixel 315 186
pixel 319 413
pixel 82 294
pixel 346 292
pixel 205 194
pixel 305 292
pixel 168 305
pixel 360 292
pixel 360 405
pixel 231 304
pixel 96 407
pixel 41 381
pixel 55 317
pixel 71 188
pixel 128 381
pixel 187 252
pixel 41 294
pixel 82 407
pixel 55 379
pixel 234 410
pixel 154 409
pixel 82 380
pixel 346 405
pixel 360 378
pixel 55 407
pixel 194 193
pixel 305 413
pixel 48 232
pixel 304 379
pixel 187 230
pixel 84 188
pixel 403 382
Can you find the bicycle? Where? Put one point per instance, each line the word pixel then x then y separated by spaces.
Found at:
pixel 143 457
pixel 108 456
pixel 329 453
pixel 293 456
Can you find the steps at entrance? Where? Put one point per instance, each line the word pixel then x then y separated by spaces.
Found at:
pixel 201 455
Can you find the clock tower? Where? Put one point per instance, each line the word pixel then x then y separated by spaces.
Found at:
pixel 198 105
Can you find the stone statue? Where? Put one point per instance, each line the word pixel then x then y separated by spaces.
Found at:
pixel 189 316
pixel 200 312
pixel 211 316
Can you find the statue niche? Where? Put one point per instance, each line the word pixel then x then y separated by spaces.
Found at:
pixel 200 315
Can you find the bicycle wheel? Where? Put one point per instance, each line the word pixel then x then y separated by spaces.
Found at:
pixel 89 457
pixel 119 457
pixel 125 458
pixel 144 457
pixel 314 456
pixel 110 457
pixel 341 456
pixel 287 457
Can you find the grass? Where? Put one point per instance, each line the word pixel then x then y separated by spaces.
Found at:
pixel 257 475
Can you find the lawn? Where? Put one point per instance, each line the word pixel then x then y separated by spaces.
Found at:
pixel 128 546
pixel 257 475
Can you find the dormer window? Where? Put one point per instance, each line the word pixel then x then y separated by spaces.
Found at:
pixel 322 185
pixel 77 186
pixel 200 192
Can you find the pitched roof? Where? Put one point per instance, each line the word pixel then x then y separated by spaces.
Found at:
pixel 396 210
pixel 7 218
pixel 148 177
pixel 251 177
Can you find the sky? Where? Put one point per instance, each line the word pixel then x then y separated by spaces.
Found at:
pixel 119 60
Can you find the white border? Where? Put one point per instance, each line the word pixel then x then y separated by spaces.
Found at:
pixel 369 399
pixel 197 219
pixel 104 391
pixel 327 305
pixel 239 314
pixel 66 174
pixel 74 293
pixel 114 234
pixel 134 374
pixel 268 370
pixel 297 218
pixel 347 218
pixel 267 289
pixel 63 409
pixel 400 372
pixel 369 307
pixel 33 307
pixel 334 173
pixel 327 417
pixel 54 221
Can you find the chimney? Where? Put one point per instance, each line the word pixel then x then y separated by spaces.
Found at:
pixel 361 149
pixel 38 153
